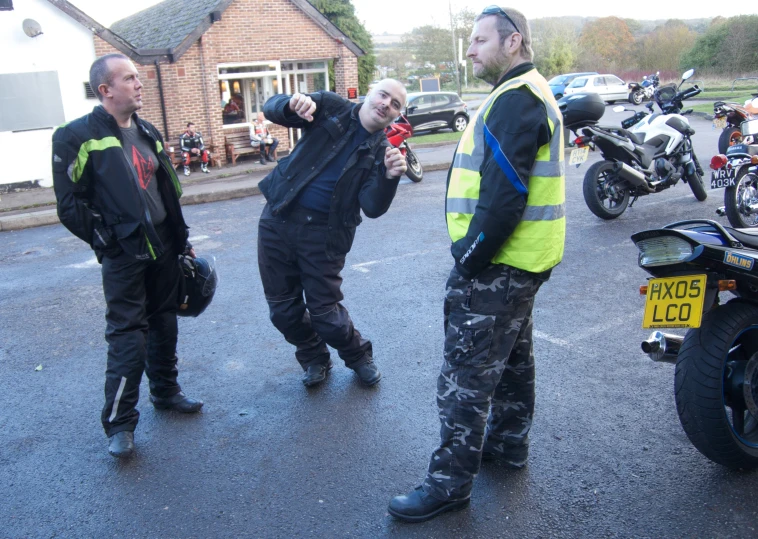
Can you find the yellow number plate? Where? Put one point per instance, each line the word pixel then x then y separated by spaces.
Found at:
pixel 719 123
pixel 579 155
pixel 674 302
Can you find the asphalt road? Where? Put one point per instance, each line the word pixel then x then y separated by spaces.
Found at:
pixel 267 458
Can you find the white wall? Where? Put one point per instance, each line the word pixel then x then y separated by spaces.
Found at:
pixel 65 46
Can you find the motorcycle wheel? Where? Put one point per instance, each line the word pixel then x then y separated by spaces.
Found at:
pixel 606 194
pixel 728 136
pixel 415 172
pixel 716 385
pixel 636 98
pixel 739 198
pixel 696 183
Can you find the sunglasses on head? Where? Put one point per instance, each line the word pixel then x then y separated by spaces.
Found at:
pixel 497 10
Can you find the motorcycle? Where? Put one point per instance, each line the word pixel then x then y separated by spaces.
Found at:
pixel 398 134
pixel 651 156
pixel 716 376
pixel 639 92
pixel 737 173
pixel 729 117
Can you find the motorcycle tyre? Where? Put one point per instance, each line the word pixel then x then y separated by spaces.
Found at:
pixel 698 188
pixel 699 381
pixel 736 219
pixel 591 198
pixel 414 171
pixel 726 136
pixel 636 98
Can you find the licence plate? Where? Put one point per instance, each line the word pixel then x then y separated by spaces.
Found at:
pixel 719 123
pixel 723 177
pixel 579 155
pixel 674 302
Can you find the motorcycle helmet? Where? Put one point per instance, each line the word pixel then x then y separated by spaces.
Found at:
pixel 199 280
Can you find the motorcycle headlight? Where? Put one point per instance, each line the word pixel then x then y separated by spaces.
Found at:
pixel 664 250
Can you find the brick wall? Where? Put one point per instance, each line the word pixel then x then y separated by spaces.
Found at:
pixel 249 31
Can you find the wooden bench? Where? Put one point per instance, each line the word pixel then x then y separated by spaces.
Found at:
pixel 176 157
pixel 238 144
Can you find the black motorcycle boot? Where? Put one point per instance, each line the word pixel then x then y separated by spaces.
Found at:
pixel 419 506
pixel 177 403
pixel 368 373
pixel 121 444
pixel 315 374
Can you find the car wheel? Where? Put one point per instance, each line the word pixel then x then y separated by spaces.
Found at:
pixel 558 96
pixel 611 102
pixel 459 124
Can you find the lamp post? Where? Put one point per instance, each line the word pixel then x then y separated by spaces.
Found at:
pixel 455 55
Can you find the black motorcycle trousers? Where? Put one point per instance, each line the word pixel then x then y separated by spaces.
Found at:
pixel 141 300
pixel 302 288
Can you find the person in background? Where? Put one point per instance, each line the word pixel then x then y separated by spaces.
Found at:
pixel 260 136
pixel 191 142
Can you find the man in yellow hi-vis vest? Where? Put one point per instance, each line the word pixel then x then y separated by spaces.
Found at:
pixel 505 211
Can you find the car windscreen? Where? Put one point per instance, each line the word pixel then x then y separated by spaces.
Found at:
pixel 578 83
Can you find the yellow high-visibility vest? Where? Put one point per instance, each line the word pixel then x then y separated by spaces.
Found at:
pixel 537 242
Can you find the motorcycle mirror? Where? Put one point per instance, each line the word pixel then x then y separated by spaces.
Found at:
pixel 657 73
pixel 619 108
pixel 687 74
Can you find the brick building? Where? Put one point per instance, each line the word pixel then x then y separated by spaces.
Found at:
pixel 194 60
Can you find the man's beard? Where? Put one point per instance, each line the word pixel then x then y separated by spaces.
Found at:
pixel 493 72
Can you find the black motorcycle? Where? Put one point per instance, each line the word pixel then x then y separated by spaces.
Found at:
pixel 695 265
pixel 737 172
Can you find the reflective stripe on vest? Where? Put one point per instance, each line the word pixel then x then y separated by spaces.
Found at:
pixel 537 242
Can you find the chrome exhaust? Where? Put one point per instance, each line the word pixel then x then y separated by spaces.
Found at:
pixel 662 346
pixel 721 211
pixel 633 176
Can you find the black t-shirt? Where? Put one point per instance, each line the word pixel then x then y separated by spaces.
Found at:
pixel 142 157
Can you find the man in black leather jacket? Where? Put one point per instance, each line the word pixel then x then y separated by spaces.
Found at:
pixel 342 165
pixel 117 191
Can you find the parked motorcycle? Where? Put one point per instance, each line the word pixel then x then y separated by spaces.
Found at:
pixel 737 173
pixel 398 134
pixel 639 92
pixel 729 117
pixel 716 380
pixel 651 156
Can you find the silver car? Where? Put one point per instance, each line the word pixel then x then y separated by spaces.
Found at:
pixel 609 87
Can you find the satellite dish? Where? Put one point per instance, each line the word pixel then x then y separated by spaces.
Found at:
pixel 31 27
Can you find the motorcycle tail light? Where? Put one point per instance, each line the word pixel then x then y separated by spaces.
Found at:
pixel 581 141
pixel 663 251
pixel 718 161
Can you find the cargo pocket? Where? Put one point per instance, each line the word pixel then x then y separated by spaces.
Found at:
pixel 468 338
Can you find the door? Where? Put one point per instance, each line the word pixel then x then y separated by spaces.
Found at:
pixel 599 86
pixel 419 111
pixel 444 109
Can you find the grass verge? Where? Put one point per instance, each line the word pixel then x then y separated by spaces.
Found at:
pixel 438 137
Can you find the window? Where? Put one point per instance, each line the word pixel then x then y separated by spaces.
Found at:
pixel 599 81
pixel 421 103
pixel 578 83
pixel 611 80
pixel 6 5
pixel 441 100
pixel 30 101
pixel 232 101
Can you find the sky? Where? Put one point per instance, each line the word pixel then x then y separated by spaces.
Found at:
pixel 401 16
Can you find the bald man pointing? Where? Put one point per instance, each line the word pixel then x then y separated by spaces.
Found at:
pixel 342 165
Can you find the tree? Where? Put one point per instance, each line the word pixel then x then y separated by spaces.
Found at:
pixel 429 45
pixel 662 48
pixel 341 13
pixel 729 46
pixel 555 46
pixel 608 40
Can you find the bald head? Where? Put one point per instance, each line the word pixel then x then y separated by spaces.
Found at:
pixel 383 104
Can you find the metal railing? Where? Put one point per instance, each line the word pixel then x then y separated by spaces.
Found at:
pixel 742 78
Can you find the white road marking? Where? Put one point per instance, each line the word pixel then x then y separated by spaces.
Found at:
pixel 198 238
pixel 91 263
pixel 363 266
pixel 555 340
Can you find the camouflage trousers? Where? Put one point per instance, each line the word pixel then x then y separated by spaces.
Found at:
pixel 485 391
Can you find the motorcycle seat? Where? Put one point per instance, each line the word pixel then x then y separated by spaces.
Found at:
pixel 634 137
pixel 747 236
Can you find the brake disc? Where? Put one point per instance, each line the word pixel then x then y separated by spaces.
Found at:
pixel 750 386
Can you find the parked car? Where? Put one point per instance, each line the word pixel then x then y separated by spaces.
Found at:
pixel 558 83
pixel 610 87
pixel 436 110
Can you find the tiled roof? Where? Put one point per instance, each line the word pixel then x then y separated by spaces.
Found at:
pixel 164 25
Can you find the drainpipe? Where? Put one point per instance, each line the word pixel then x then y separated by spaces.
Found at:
pixel 163 101
pixel 203 77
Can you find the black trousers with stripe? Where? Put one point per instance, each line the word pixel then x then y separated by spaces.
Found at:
pixel 141 298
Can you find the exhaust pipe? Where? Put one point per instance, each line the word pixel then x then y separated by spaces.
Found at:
pixel 721 211
pixel 633 176
pixel 662 346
